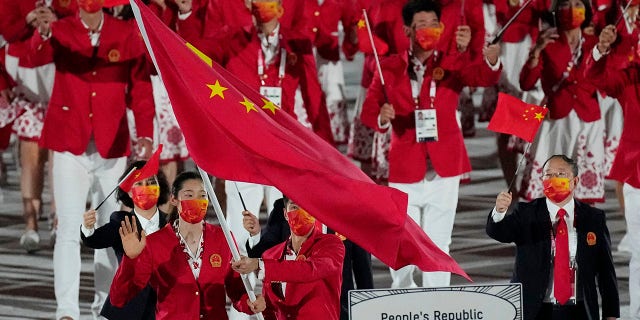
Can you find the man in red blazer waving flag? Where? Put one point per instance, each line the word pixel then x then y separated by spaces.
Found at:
pixel 233 133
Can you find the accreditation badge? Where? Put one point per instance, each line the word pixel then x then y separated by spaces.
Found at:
pixel 274 94
pixel 426 125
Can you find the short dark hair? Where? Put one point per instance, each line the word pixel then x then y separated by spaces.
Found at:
pixel 414 6
pixel 123 197
pixel 178 183
pixel 567 160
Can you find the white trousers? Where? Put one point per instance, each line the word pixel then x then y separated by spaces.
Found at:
pixel 632 215
pixel 432 204
pixel 75 178
pixel 331 75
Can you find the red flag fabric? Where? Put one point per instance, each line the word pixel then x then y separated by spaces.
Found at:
pixel 149 169
pixel 513 116
pixel 233 133
pixel 364 43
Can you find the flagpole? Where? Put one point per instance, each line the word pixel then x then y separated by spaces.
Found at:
pixel 498 36
pixel 623 12
pixel 375 55
pixel 240 195
pixel 116 188
pixel 227 235
pixel 515 175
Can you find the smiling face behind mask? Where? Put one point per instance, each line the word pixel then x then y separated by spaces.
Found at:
pixel 559 180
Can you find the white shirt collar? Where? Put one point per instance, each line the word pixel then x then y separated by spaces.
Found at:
pixel 553 209
pixel 149 225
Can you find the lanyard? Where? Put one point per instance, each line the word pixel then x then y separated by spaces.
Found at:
pixel 262 65
pixel 416 85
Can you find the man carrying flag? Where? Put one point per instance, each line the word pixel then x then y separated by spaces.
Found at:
pixel 425 82
pixel 96 80
pixel 262 145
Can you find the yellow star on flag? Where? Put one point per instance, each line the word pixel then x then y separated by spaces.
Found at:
pixel 216 90
pixel 361 24
pixel 249 105
pixel 539 116
pixel 268 105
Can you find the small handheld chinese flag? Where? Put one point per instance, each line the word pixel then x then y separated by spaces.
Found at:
pixel 364 43
pixel 148 170
pixel 514 116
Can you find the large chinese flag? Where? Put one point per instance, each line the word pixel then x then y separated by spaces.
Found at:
pixel 514 116
pixel 233 133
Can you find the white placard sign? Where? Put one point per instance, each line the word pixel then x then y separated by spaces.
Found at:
pixel 482 302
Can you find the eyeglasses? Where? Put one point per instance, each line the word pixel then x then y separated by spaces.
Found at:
pixel 550 175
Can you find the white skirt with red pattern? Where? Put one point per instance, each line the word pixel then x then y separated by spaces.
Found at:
pixel 579 140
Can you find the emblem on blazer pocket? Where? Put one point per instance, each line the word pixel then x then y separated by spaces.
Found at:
pixel 114 55
pixel 64 3
pixel 301 257
pixel 215 260
pixel 591 239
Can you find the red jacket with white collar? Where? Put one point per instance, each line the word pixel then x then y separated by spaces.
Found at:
pixel 576 92
pixel 408 158
pixel 164 266
pixel 93 87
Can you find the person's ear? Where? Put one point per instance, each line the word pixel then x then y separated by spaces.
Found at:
pixel 407 31
pixel 173 201
pixel 575 180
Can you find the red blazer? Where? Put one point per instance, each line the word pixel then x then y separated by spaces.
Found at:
pixel 323 27
pixel 14 28
pixel 163 265
pixel 313 280
pixel 408 158
pixel 576 92
pixel 622 85
pixel 91 91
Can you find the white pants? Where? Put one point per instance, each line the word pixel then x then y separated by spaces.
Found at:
pixel 331 77
pixel 74 178
pixel 632 215
pixel 432 205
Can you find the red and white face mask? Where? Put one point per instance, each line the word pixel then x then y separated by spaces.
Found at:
pixel 91 6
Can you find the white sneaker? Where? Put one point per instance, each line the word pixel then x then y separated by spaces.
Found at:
pixel 30 241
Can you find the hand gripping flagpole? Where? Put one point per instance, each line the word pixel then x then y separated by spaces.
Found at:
pixel 375 54
pixel 227 235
